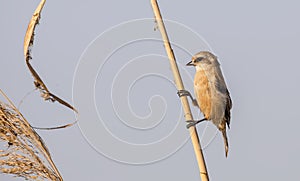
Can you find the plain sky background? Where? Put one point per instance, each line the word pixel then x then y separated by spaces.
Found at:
pixel 257 43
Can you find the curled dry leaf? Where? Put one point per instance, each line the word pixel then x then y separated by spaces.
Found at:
pixel 39 84
pixel 28 42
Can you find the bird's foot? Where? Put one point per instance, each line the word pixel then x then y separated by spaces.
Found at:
pixel 181 93
pixel 193 123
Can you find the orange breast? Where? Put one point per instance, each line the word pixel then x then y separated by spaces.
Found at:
pixel 203 93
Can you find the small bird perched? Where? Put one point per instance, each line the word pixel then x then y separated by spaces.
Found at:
pixel 212 96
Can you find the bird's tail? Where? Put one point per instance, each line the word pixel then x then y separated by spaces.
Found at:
pixel 225 141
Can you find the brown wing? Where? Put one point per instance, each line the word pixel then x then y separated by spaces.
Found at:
pixel 226 119
pixel 227 109
pixel 203 93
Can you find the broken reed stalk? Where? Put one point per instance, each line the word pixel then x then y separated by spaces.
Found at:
pixel 26 154
pixel 180 86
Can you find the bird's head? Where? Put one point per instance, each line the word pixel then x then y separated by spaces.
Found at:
pixel 203 59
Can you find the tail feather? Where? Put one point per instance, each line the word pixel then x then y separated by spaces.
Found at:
pixel 225 141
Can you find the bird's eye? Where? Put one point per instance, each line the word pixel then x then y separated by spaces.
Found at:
pixel 198 59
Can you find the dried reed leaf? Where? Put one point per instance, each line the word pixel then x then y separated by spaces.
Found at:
pixel 29 37
pixel 39 84
pixel 48 128
pixel 28 42
pixel 25 153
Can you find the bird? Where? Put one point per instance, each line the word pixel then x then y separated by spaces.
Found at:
pixel 212 95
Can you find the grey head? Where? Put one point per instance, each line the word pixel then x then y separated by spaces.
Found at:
pixel 204 59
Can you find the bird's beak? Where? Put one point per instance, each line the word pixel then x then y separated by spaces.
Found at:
pixel 190 63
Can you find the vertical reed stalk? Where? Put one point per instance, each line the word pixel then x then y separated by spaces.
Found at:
pixel 180 86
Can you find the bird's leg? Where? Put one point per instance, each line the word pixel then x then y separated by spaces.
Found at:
pixel 193 123
pixel 187 93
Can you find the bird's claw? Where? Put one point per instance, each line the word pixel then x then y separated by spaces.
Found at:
pixel 181 93
pixel 190 123
pixel 193 123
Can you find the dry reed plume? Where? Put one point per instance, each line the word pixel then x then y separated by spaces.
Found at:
pixel 24 153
